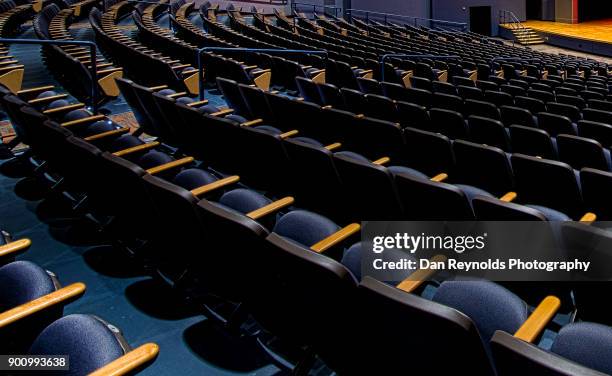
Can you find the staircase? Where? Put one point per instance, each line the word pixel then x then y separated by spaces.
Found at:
pixel 527 36
pixel 522 34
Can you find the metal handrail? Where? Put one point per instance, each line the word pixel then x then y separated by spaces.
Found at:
pixel 387 16
pixel 93 52
pixel 387 56
pixel 295 5
pixel 201 51
pixel 517 24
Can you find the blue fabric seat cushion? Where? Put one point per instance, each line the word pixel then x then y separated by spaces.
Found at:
pixel 192 178
pixel 166 92
pixel 208 109
pixel 88 342
pixel 353 259
pixel 23 281
pixel 237 118
pixel 244 200
pixel 586 343
pixel 76 115
pixel 304 227
pixel 124 141
pixel 57 103
pixel 490 306
pixel 97 127
pixel 185 100
pixel 153 158
pixel 46 94
pixel 269 129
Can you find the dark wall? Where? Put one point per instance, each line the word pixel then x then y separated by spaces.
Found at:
pixel 452 10
pixel 415 8
pixel 594 9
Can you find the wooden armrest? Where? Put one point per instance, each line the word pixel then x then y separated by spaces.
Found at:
pixel 327 107
pixel 38 89
pixel 175 95
pixel 89 119
pixel 180 66
pixel 129 362
pixel 250 123
pixel 198 103
pixel 160 87
pixel 382 161
pixel 508 197
pixel 248 67
pixel 271 208
pixel 215 185
pixel 102 135
pixel 366 71
pixel 47 99
pixel 588 218
pixel 112 70
pixel 335 238
pixel 104 65
pixel 317 71
pixel 170 165
pixel 417 278
pixel 539 318
pixel 135 149
pixel 12 67
pixel 63 295
pixel 69 107
pixel 306 66
pixel 440 177
pixel 223 112
pixel 15 247
pixel 333 146
pixel 288 134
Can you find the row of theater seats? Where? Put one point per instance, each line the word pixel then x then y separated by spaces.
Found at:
pixel 11 18
pixel 510 127
pixel 428 153
pixel 72 64
pixel 293 266
pixel 328 288
pixel 32 321
pixel 155 36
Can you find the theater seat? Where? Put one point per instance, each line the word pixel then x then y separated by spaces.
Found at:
pixel 489 305
pixel 304 227
pixel 23 281
pixel 580 348
pixel 90 343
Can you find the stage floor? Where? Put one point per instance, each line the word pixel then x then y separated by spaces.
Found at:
pixel 597 31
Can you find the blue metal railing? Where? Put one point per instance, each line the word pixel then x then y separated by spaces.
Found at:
pixel 296 5
pixel 92 50
pixel 410 56
pixel 247 50
pixel 386 16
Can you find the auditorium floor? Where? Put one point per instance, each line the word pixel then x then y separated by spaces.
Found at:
pixel 117 290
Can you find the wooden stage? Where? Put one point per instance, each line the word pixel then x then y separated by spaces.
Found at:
pixel 595 31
